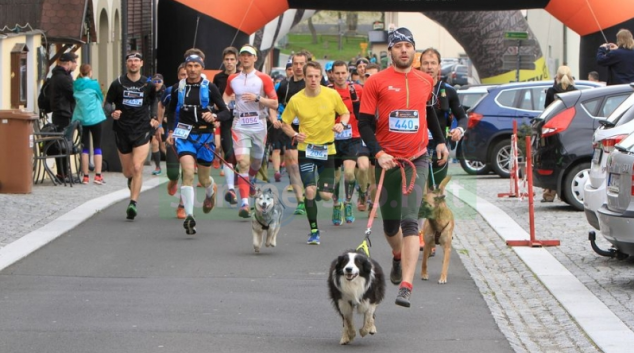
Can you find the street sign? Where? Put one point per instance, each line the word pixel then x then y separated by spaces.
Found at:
pixel 515 35
pixel 513 66
pixel 523 58
pixel 519 42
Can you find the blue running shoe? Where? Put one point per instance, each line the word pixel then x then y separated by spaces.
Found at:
pixel 337 217
pixel 348 212
pixel 313 238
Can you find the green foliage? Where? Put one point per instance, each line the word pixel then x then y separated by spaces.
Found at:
pixel 327 44
pixel 523 131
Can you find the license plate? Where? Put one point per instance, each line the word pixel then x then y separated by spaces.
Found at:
pixel 613 183
pixel 596 157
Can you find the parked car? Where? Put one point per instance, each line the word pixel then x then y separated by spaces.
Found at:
pixel 459 76
pixel 490 125
pixel 469 96
pixel 615 128
pixel 278 71
pixel 445 70
pixel 616 216
pixel 562 135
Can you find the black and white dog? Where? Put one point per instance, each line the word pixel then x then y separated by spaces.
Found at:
pixel 267 217
pixel 356 281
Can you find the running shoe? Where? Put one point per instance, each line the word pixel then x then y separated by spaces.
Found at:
pixel 301 209
pixel 396 274
pixel 289 188
pixel 172 187
pixel 337 217
pixel 348 212
pixel 230 197
pixel 157 171
pixel 402 298
pixel 245 211
pixel 99 180
pixel 252 190
pixel 361 202
pixel 313 237
pixel 278 177
pixel 210 202
pixel 131 212
pixel 85 180
pixel 190 225
pixel 180 212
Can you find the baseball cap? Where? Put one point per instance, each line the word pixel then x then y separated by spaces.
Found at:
pixel 248 49
pixel 362 61
pixel 328 66
pixel 68 57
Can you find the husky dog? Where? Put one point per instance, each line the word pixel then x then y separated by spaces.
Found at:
pixel 356 281
pixel 267 217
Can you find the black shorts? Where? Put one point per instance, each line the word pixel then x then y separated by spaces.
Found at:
pixel 348 150
pixel 281 141
pixel 127 142
pixel 325 170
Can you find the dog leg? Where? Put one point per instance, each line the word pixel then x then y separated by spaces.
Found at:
pixel 273 233
pixel 368 321
pixel 349 332
pixel 257 240
pixel 429 245
pixel 269 235
pixel 445 262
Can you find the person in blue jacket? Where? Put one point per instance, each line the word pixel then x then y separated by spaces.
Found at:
pixel 619 58
pixel 89 111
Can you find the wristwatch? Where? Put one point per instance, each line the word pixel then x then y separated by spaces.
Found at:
pixel 257 98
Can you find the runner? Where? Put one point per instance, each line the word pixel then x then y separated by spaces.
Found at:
pixel 131 102
pixel 230 61
pixel 315 108
pixel 249 127
pixel 194 100
pixel 399 95
pixel 350 150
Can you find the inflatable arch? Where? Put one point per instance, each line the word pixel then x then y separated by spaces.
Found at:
pixel 476 25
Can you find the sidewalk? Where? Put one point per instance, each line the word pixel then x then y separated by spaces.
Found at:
pixel 529 315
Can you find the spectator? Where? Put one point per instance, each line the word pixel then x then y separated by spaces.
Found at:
pixel 62 101
pixel 157 143
pixel 593 76
pixel 619 58
pixel 564 82
pixel 89 112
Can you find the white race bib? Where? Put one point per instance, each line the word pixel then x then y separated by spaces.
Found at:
pixel 404 121
pixel 249 119
pixel 182 131
pixel 346 134
pixel 317 152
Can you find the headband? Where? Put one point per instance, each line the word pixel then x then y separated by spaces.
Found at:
pixel 134 55
pixel 195 58
pixel 400 34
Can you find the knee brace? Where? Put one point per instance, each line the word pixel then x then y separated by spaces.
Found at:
pixel 98 151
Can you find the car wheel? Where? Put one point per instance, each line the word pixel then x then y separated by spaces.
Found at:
pixel 501 158
pixel 574 183
pixel 471 167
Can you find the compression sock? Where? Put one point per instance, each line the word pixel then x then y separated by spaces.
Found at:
pixel 311 213
pixel 187 195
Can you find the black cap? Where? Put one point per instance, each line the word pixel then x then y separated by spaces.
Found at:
pixel 68 57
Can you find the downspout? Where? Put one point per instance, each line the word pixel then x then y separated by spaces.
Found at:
pixel 124 34
pixel 85 51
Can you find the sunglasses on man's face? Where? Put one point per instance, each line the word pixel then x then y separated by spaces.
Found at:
pixel 158 81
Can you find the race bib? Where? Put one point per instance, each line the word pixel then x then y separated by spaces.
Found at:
pixel 317 152
pixel 182 131
pixel 346 134
pixel 249 119
pixel 404 121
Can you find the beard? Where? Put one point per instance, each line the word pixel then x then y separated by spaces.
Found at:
pixel 397 63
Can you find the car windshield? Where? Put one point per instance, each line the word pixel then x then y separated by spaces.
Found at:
pixel 621 109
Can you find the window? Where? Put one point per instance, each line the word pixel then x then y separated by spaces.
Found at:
pixel 592 106
pixel 507 98
pixel 19 75
pixel 611 103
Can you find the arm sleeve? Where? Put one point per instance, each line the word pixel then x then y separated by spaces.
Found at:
pixel 367 126
pixel 222 111
pixel 457 110
pixel 228 89
pixel 434 126
pixel 269 88
pixel 604 58
pixel 171 110
pixel 280 92
pixel 112 93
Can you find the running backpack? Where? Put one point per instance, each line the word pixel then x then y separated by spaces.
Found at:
pixel 44 98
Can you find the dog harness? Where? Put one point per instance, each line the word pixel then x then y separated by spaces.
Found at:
pixel 264 226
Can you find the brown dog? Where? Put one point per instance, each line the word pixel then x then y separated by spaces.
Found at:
pixel 438 229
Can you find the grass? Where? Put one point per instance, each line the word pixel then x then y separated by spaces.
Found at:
pixel 328 45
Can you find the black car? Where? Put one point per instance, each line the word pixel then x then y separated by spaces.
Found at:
pixel 562 139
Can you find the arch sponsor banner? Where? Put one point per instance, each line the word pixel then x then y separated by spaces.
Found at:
pixel 539 74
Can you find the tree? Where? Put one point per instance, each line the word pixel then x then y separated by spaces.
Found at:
pixel 352 20
pixel 313 32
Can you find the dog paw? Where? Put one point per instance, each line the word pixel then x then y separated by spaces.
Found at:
pixel 442 280
pixel 424 276
pixel 364 331
pixel 346 338
pixel 256 249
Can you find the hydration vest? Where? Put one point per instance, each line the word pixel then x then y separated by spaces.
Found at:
pixel 203 93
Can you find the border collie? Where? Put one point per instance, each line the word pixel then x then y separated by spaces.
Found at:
pixel 356 281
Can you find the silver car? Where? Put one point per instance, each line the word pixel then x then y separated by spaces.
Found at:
pixel 616 217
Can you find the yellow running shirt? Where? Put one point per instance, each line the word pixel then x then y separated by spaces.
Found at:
pixel 316 116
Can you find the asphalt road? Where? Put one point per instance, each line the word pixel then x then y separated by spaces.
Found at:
pixel 145 286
